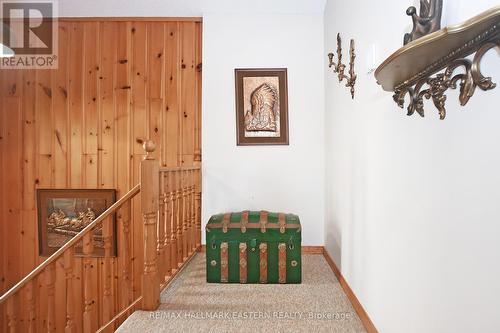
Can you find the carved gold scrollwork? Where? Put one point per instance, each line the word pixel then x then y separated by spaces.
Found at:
pixel 436 87
pixel 339 67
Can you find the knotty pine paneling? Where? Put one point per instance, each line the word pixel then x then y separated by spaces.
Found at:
pixel 79 126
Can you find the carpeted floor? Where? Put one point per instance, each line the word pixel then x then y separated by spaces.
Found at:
pixel 192 305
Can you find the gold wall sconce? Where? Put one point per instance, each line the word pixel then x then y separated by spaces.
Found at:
pixel 339 67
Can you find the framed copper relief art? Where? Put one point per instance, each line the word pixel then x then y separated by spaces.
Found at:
pixel 261 106
pixel 62 214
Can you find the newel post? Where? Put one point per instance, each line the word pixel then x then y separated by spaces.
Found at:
pixel 150 193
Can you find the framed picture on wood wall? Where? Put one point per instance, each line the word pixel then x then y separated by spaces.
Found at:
pixel 261 106
pixel 63 213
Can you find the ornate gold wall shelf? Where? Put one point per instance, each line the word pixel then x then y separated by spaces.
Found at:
pixel 410 70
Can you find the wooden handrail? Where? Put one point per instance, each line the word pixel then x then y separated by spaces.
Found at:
pixel 182 168
pixel 112 209
pixel 124 311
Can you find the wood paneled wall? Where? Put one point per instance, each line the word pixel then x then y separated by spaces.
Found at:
pixel 118 82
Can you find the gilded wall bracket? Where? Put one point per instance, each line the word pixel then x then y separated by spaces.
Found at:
pixel 450 58
pixel 461 72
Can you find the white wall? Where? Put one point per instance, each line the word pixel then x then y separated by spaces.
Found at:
pixel 252 33
pixel 412 204
pixel 276 178
pixel 69 8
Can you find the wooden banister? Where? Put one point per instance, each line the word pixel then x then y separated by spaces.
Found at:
pixel 172 169
pixel 170 201
pixel 112 209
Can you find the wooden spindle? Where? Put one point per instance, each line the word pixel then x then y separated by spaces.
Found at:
pixel 178 182
pixel 188 214
pixel 88 302
pixel 149 206
pixel 30 302
pixel 107 298
pixel 173 217
pixel 185 218
pixel 168 224
pixel 197 163
pixel 124 217
pixel 198 207
pixel 12 314
pixel 50 279
pixel 68 270
pixel 193 210
pixel 160 246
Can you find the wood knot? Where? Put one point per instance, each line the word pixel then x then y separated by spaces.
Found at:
pixel 13 89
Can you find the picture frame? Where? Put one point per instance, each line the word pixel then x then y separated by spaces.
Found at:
pixel 62 213
pixel 261 106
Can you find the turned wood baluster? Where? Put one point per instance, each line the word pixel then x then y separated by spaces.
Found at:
pixel 168 224
pixel 185 217
pixel 178 217
pixel 88 302
pixel 107 299
pixel 188 214
pixel 124 216
pixel 173 217
pixel 68 269
pixel 197 184
pixel 160 247
pixel 50 278
pixel 198 207
pixel 30 302
pixel 149 206
pixel 193 210
pixel 12 314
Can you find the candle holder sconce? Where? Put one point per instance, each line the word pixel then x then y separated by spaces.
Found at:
pixel 339 67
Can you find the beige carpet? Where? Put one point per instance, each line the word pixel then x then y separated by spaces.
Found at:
pixel 192 305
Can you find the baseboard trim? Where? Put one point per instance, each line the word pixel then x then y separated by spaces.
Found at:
pixel 367 322
pixel 305 249
pixel 312 249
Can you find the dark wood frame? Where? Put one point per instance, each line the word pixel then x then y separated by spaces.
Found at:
pixel 41 194
pixel 281 73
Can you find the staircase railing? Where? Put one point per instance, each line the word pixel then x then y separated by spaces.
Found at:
pixel 172 234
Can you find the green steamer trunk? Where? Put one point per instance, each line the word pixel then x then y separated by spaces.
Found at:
pixel 254 247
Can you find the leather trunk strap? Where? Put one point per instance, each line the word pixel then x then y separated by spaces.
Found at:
pixel 225 222
pixel 263 263
pixel 282 222
pixel 224 262
pixel 263 221
pixel 282 262
pixel 253 225
pixel 243 263
pixel 244 221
